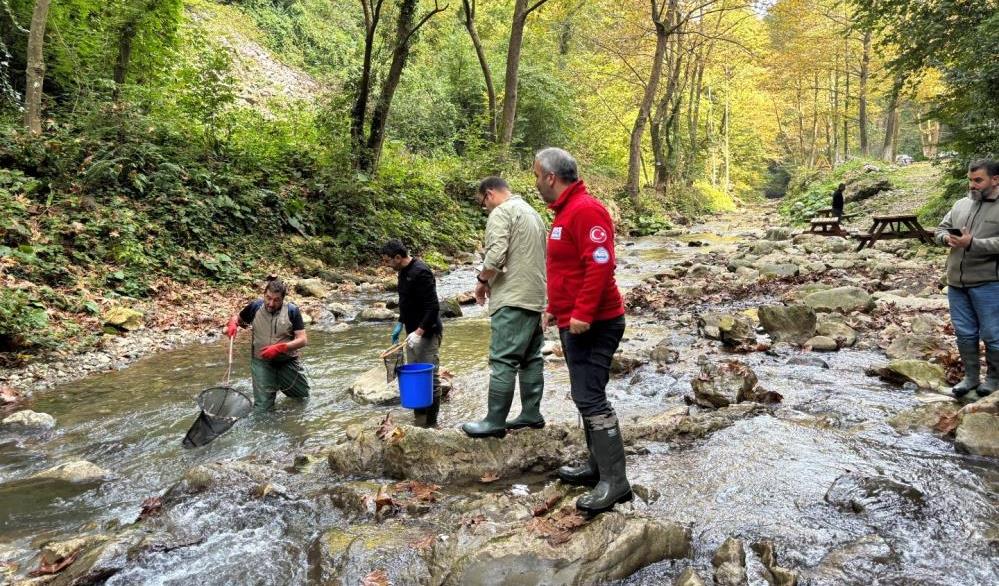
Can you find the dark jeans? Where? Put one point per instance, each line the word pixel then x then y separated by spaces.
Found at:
pixel 588 356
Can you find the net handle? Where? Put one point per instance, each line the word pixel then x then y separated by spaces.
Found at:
pixel 392 350
pixel 228 370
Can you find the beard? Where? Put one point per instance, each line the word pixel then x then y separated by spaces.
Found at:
pixel 988 193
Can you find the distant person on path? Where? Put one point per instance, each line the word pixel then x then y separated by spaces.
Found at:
pixel 837 201
pixel 584 301
pixel 278 334
pixel 971 230
pixel 513 281
pixel 419 314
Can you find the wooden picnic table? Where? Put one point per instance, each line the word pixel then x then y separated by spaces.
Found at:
pixel 827 227
pixel 893 227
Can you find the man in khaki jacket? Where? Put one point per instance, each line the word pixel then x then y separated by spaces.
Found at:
pixel 513 280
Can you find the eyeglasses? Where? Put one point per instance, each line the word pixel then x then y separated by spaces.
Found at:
pixel 481 197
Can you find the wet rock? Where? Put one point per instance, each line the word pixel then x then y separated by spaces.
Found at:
pixel 56 551
pixel 688 577
pixel 840 299
pixel 371 388
pixel 821 344
pixel 788 323
pixel 362 452
pixel 925 375
pixel 354 498
pixel 778 270
pixel 833 326
pixel 866 187
pixel 911 303
pixel 550 347
pixel 856 562
pixel 721 385
pixel 989 404
pixel 611 547
pixel 231 474
pixel 624 363
pixel 10 396
pixel 924 324
pixel 677 423
pixel 873 496
pixel 978 434
pixel 807 360
pixel 729 561
pixel 923 417
pixel 774 574
pixel 914 347
pixel 77 472
pixel 467 298
pixel 732 330
pixel 347 556
pixel 451 307
pixel 28 419
pixel 311 288
pixel 123 318
pixel 376 314
pixel 340 310
pixel 778 233
pixel 663 353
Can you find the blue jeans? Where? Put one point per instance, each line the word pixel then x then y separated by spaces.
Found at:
pixel 974 311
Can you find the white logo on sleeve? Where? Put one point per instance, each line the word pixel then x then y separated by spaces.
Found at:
pixel 598 234
pixel 601 256
pixel 557 233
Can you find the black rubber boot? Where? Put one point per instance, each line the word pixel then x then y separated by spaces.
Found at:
pixel 494 425
pixel 586 473
pixel 992 377
pixel 969 356
pixel 608 451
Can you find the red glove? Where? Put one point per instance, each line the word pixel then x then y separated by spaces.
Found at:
pixel 233 327
pixel 272 351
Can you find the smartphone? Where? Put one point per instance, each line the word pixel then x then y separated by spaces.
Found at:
pixel 954 231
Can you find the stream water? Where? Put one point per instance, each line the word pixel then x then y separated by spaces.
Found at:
pixel 846 498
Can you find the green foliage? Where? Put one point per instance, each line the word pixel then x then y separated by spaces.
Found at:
pixel 23 322
pixel 811 190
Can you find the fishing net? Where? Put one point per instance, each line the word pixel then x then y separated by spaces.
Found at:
pixel 221 407
pixel 393 358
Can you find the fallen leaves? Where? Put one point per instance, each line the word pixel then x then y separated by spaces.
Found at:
pixel 424 543
pixel 376 578
pixel 489 477
pixel 547 505
pixel 421 491
pixel 384 499
pixel 55 567
pixel 559 527
pixel 473 521
pixel 388 431
pixel 151 507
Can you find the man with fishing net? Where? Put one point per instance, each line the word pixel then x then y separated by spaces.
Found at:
pixel 278 333
pixel 419 314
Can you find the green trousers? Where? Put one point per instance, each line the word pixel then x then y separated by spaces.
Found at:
pixel 271 376
pixel 515 350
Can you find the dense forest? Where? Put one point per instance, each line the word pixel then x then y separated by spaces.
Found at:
pixel 196 140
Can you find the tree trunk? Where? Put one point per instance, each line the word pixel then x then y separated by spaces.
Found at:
pixel 521 11
pixel 124 55
pixel 891 122
pixel 846 102
pixel 372 14
pixel 469 7
pixel 379 117
pixel 638 130
pixel 35 73
pixel 865 66
pixel 813 152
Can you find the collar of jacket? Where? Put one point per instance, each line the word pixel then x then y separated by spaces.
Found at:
pixel 574 188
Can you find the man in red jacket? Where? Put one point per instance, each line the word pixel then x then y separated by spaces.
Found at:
pixel 584 301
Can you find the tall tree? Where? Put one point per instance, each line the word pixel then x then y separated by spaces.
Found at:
pixel 468 11
pixel 35 74
pixel 521 10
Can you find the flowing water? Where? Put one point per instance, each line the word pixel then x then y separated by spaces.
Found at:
pixel 846 498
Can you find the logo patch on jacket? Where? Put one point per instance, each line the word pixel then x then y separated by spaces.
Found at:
pixel 601 256
pixel 598 234
pixel 557 233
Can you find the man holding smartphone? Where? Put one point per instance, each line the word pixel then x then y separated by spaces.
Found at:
pixel 971 230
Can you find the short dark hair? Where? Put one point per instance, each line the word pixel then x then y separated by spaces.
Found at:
pixel 991 166
pixel 493 182
pixel 394 248
pixel 276 286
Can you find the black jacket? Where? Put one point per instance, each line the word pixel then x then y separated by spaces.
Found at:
pixel 418 304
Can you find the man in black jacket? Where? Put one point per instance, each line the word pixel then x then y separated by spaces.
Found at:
pixel 419 313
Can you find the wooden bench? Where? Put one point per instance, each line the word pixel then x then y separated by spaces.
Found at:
pixel 893 228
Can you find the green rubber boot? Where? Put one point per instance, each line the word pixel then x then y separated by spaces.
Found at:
pixel 532 388
pixel 494 425
pixel 991 382
pixel 608 451
pixel 969 356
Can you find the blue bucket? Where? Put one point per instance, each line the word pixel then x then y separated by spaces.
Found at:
pixel 416 385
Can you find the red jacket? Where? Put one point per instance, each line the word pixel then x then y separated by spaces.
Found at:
pixel 581 260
